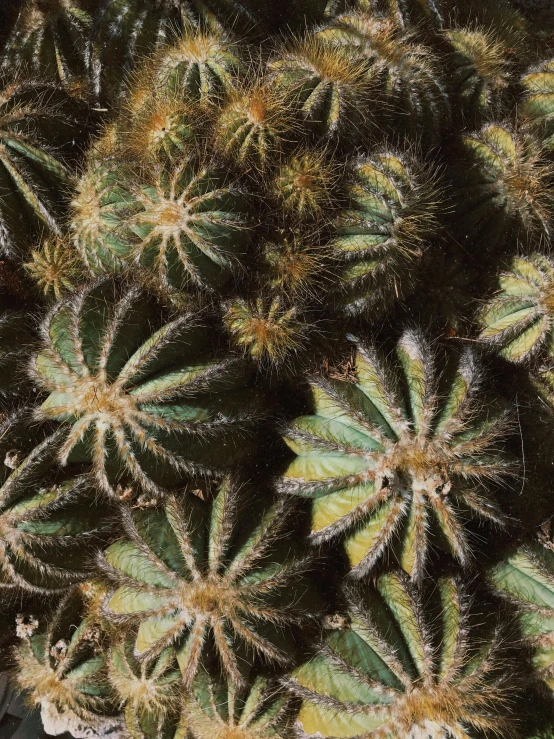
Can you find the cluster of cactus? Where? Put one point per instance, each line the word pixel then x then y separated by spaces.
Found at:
pixel 277 368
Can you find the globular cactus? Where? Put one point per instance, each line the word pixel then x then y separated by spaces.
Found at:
pixel 55 268
pixel 537 108
pixel 391 215
pixel 517 320
pixel 481 68
pixel 149 691
pixel 191 226
pixel 61 663
pixel 327 85
pixel 502 188
pixel 393 467
pixel 217 708
pixel 200 67
pixel 405 75
pixel 30 173
pixel 303 185
pixel 403 665
pixel 137 402
pixel 192 574
pixel 49 40
pixel 294 264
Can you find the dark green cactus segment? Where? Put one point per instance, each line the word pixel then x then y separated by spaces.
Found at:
pixel 327 84
pixel 502 188
pixel 404 74
pixel 199 67
pixel 50 40
pixel 31 176
pixel 137 402
pixel 517 320
pixel 480 71
pixel 190 577
pixel 537 107
pixel 382 234
pixel 192 226
pixel 60 661
pixel 387 461
pixel 395 667
pixel 258 710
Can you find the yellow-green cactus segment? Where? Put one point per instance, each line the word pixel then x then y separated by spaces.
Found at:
pixel 192 226
pixel 392 670
pixel 328 85
pixel 55 268
pixel 384 466
pixel 481 70
pixel 49 39
pixel 404 73
pixel 517 321
pixel 503 187
pixel 186 580
pixel 526 577
pixel 381 235
pixel 303 185
pixel 136 401
pixel 200 67
pixel 538 102
pixel 259 710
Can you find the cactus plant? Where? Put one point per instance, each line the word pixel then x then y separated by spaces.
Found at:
pixel 55 268
pixel 50 40
pixel 387 463
pixel 390 216
pixel 303 185
pixel 125 392
pixel 391 669
pixel 538 103
pixel 188 578
pixel 517 319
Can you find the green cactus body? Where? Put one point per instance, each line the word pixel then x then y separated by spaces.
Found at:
pixel 100 232
pixel 187 580
pixel 29 172
pixel 50 40
pixel 517 320
pixel 328 85
pixel 192 227
pixel 480 71
pixel 405 13
pixel 303 185
pixel 138 402
pixel 55 268
pixel 62 664
pixel 405 73
pixel 391 213
pixel 391 670
pixel 200 67
pixel 538 102
pixel 220 709
pixel 502 188
pixel 149 691
pixel 388 464
pixel 295 264
pixel 526 577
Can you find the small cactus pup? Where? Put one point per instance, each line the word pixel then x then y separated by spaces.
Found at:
pixel 199 67
pixel 381 235
pixel 47 526
pixel 258 710
pixel 517 321
pixel 149 691
pixel 31 176
pixel 61 663
pixel 192 226
pixel 192 575
pixel 480 72
pixel 49 40
pixel 327 85
pixel 55 268
pixel 407 664
pixel 405 74
pixel 526 577
pixel 537 107
pixel 502 190
pixel 391 465
pixel 137 402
